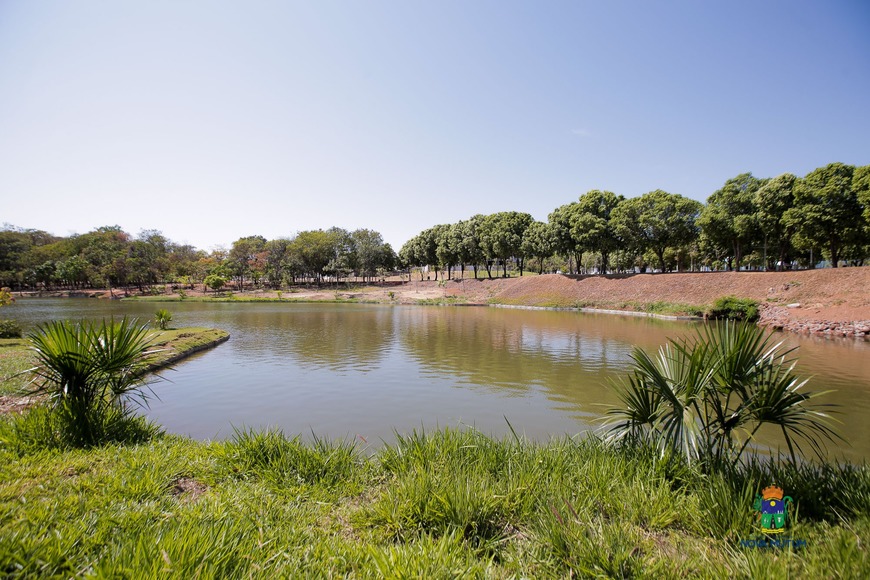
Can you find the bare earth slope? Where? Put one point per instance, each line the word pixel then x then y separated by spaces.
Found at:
pixel 832 301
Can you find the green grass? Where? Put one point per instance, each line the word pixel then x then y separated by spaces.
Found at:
pixel 658 307
pixel 16 357
pixel 441 301
pixel 444 504
pixel 244 299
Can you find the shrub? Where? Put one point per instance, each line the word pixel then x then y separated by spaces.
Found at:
pixel 89 373
pixel 697 397
pixel 46 427
pixel 733 308
pixel 162 318
pixel 10 329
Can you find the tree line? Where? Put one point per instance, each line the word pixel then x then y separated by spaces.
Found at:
pixel 750 222
pixel 110 257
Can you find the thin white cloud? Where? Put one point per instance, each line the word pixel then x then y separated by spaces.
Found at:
pixel 581 132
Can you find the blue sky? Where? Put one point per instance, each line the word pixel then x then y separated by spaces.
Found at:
pixel 214 120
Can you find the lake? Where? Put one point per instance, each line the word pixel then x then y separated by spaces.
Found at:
pixel 367 371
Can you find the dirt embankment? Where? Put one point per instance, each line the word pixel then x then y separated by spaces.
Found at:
pixel 830 301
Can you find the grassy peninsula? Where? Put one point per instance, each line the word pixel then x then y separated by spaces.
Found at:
pixel 171 345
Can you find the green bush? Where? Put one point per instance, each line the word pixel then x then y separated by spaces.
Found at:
pixel 706 398
pixel 733 308
pixel 10 329
pixel 162 318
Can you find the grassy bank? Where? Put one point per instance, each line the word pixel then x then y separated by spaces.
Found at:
pixel 246 299
pixel 447 504
pixel 173 345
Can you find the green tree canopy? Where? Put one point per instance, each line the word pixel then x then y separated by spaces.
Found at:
pixel 826 211
pixel 538 242
pixel 591 227
pixel 501 236
pixel 772 201
pixel 729 219
pixel 656 221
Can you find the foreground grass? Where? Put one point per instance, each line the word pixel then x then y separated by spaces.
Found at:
pixel 172 344
pixel 446 504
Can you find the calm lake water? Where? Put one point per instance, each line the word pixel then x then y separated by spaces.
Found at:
pixel 346 370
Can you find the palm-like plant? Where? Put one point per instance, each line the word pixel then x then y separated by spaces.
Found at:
pixel 162 317
pixel 90 371
pixel 708 397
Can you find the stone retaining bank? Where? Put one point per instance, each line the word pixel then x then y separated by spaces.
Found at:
pixel 778 319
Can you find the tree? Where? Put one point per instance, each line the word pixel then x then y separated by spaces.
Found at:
pixel 369 253
pixel 243 257
pixel 591 228
pixel 449 248
pixel 861 187
pixel 772 201
pixel 562 221
pixel 539 241
pixel 313 250
pixel 470 251
pixel 656 221
pixel 6 297
pixel 409 257
pixel 215 282
pixel 729 218
pixel 501 236
pixel 277 261
pixel 825 211
pixel 106 251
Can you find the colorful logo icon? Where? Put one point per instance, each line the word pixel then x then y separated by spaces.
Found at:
pixel 772 508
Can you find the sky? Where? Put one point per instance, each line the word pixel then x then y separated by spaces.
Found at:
pixel 212 120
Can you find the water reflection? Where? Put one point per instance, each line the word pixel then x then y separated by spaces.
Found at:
pixel 569 355
pixel 332 338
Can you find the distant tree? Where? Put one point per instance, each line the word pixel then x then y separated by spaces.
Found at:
pixel 314 251
pixel 471 252
pixel 368 252
pixel 772 201
pixel 409 257
pixel 825 211
pixel 449 248
pixel 6 297
pixel 538 242
pixel 656 221
pixel 591 228
pixel 243 257
pixel 861 188
pixel 730 217
pixel 562 221
pixel 214 282
pixel 502 237
pixel 106 251
pixel 277 261
pixel 427 248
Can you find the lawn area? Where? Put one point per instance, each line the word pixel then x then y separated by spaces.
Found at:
pixel 445 504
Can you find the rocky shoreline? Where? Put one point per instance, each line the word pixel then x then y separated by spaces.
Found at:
pixel 778 318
